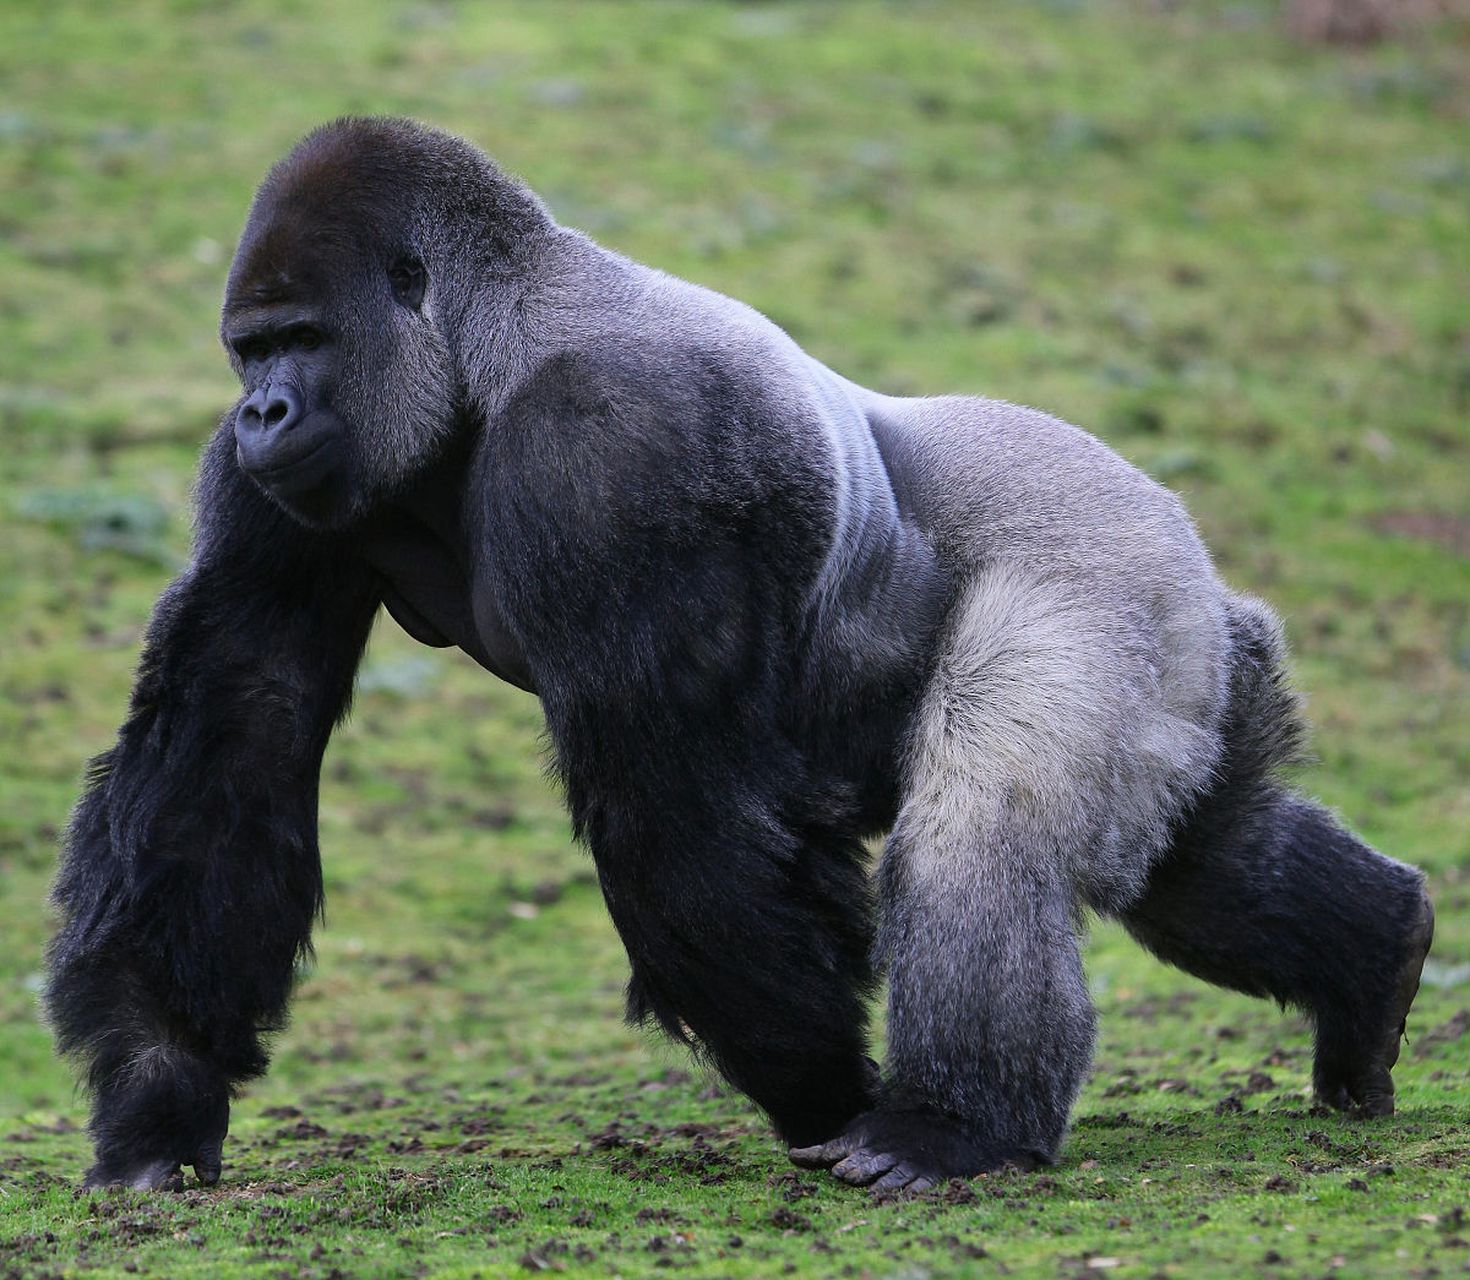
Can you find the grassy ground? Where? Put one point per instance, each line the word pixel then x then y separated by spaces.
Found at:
pixel 1242 262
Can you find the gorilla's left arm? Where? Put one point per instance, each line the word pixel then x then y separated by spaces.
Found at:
pixel 653 544
pixel 190 877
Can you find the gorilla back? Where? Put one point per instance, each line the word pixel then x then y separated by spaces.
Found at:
pixel 767 613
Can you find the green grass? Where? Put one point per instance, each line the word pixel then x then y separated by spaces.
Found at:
pixel 1243 262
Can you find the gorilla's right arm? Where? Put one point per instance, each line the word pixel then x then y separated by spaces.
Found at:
pixel 191 876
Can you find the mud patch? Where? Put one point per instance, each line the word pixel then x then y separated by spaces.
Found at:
pixel 1446 1033
pixel 1450 532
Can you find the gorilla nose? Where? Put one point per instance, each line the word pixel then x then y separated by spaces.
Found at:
pixel 271 409
pixel 267 437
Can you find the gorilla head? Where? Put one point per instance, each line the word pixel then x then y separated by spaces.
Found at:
pixel 336 314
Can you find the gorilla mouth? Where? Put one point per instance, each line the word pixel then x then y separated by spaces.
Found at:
pixel 279 470
pixel 302 478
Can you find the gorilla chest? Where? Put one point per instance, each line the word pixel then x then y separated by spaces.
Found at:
pixel 432 593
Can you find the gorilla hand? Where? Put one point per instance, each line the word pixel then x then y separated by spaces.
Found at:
pixel 163 1116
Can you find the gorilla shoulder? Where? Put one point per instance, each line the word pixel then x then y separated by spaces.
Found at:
pixel 671 441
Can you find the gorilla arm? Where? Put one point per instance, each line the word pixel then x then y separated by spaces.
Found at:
pixel 191 876
pixel 651 581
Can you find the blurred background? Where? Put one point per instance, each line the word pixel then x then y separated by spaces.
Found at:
pixel 1233 239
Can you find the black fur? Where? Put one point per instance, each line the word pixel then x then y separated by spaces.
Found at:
pixel 191 877
pixel 729 576
pixel 1265 892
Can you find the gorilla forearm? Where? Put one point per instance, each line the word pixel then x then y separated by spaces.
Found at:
pixel 191 878
pixel 747 937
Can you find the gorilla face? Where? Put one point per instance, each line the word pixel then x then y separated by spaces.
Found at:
pixel 288 436
pixel 348 382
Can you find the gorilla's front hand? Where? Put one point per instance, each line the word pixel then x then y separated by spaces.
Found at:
pixel 149 1129
pixel 907 1151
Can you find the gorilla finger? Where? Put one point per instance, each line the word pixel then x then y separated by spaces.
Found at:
pixel 207 1163
pixel 1376 1102
pixel 159 1175
pixel 862 1166
pixel 99 1176
pixel 822 1156
pixel 901 1177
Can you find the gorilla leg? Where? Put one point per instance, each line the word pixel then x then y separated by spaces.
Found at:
pixel 1018 803
pixel 1266 893
pixel 990 1027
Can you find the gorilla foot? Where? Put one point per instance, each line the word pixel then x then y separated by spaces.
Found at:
pixel 908 1151
pixel 1352 1070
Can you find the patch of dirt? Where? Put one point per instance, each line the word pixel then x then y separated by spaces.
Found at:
pixel 1448 531
pixel 792 1186
pixel 494 819
pixel 661 1153
pixel 550 1255
pixel 303 1128
pixel 1446 1033
pixel 955 1191
pixel 348 1099
pixel 785 1219
pixel 1362 22
pixel 1152 1008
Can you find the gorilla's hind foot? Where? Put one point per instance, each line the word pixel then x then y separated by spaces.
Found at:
pixel 908 1151
pixel 1356 1053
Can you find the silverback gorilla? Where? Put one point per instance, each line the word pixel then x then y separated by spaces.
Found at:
pixel 768 613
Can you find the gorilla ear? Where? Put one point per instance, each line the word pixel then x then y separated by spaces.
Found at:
pixel 407 277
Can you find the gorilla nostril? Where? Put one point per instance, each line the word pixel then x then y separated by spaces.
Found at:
pixel 252 409
pixel 279 407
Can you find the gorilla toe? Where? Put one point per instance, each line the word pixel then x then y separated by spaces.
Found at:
pixel 908 1151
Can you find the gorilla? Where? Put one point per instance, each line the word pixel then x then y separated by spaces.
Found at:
pixel 768 614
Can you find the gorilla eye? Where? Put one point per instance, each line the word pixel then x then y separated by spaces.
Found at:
pixel 307 338
pixel 250 350
pixel 408 280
